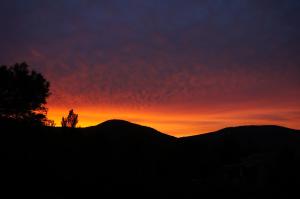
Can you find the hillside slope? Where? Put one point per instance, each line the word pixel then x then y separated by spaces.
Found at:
pixel 120 157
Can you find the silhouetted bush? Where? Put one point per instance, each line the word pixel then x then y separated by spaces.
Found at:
pixel 70 121
pixel 23 94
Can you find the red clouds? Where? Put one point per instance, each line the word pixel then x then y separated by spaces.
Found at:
pixel 183 68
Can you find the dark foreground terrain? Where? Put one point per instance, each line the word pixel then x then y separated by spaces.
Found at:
pixel 121 159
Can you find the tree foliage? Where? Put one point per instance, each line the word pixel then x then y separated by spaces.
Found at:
pixel 70 121
pixel 50 123
pixel 23 94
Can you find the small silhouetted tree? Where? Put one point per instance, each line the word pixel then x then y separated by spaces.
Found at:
pixel 23 94
pixel 70 121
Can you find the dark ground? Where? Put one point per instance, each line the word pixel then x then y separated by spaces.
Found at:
pixel 121 159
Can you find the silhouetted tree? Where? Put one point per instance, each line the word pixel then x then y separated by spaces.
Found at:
pixel 23 94
pixel 70 121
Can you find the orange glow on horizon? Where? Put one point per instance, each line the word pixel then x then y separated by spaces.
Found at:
pixel 176 124
pixel 177 69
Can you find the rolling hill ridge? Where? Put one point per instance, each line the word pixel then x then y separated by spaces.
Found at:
pixel 119 156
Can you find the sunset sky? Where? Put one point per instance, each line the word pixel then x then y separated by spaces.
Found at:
pixel 182 67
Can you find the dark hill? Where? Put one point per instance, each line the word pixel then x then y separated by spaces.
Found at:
pixel 119 157
pixel 248 159
pixel 120 129
pixel 134 153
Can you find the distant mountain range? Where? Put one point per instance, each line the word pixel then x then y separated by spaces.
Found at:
pixel 119 158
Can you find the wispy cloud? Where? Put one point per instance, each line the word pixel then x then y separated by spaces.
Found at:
pixel 201 56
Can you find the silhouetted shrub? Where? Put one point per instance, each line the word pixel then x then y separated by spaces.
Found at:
pixel 70 121
pixel 23 94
